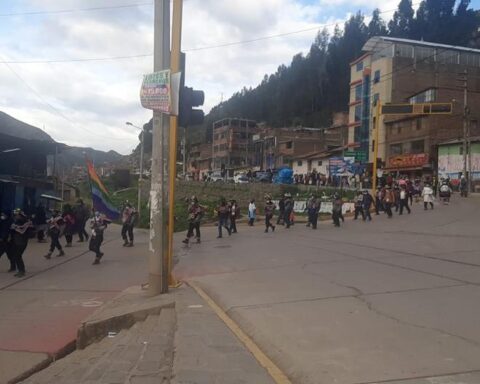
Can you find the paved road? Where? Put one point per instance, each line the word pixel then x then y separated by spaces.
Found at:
pixel 40 314
pixel 384 301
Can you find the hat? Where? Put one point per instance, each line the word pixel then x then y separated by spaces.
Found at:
pixel 365 191
pixel 288 194
pixel 268 196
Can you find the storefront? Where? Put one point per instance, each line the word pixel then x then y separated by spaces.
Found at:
pixel 416 165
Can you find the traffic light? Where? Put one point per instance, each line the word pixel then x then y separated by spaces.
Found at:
pixel 187 113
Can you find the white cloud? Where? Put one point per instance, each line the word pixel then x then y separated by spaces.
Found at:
pixel 99 97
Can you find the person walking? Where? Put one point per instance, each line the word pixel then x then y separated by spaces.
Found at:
pixel 40 221
pixel 313 211
pixel 19 234
pixel 308 207
pixel 427 195
pixel 69 220
pixel 195 214
pixel 379 195
pixel 359 206
pixel 82 214
pixel 56 225
pixel 269 212
pixel 389 201
pixel 223 213
pixel 129 215
pixel 403 200
pixel 288 210
pixel 281 211
pixel 463 186
pixel 98 225
pixel 5 227
pixel 252 213
pixel 337 209
pixel 367 205
pixel 234 214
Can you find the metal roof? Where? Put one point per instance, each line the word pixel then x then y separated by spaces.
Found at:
pixel 372 43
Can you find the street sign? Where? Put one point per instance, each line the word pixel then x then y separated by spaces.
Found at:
pixel 360 156
pixel 418 109
pixel 159 91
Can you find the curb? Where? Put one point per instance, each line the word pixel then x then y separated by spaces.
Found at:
pixel 94 330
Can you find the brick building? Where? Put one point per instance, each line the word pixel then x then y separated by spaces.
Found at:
pixel 406 71
pixel 232 144
pixel 199 160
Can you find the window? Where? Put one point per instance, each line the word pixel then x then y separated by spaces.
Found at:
pixel 358 112
pixel 376 97
pixel 358 92
pixel 299 163
pixel 396 149
pixel 427 96
pixel 289 144
pixel 417 146
pixel 418 123
pixel 399 129
pixel 319 163
pixel 359 66
pixel 376 77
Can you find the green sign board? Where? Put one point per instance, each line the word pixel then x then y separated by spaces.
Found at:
pixel 360 156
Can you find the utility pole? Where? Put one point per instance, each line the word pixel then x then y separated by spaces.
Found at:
pixel 466 135
pixel 184 149
pixel 158 249
pixel 174 68
pixel 375 148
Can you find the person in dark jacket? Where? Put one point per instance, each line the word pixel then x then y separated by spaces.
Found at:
pixel 5 226
pixel 379 195
pixel 98 224
pixel 403 199
pixel 56 225
pixel 19 234
pixel 313 210
pixel 129 215
pixel 223 213
pixel 195 214
pixel 82 213
pixel 234 214
pixel 359 206
pixel 40 222
pixel 289 203
pixel 367 205
pixel 337 209
pixel 281 211
pixel 269 212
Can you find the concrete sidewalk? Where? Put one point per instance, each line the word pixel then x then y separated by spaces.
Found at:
pixel 182 344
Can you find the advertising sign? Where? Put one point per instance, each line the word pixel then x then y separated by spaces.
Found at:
pixel 344 166
pixel 159 92
pixel 408 161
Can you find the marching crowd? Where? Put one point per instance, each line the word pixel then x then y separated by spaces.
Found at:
pixel 18 229
pixel 392 195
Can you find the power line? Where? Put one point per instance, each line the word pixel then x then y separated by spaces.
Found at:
pixel 194 49
pixel 54 109
pixel 33 13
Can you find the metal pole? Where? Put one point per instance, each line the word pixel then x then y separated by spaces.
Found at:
pixel 140 176
pixel 465 101
pixel 158 281
pixel 375 148
pixel 174 68
pixel 185 153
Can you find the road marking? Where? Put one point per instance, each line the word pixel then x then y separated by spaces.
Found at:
pixel 277 375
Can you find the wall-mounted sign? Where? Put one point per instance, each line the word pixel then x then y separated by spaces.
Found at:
pixel 407 161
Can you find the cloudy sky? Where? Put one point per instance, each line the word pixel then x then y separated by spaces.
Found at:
pixel 45 81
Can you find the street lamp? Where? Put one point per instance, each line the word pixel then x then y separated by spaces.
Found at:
pixel 140 176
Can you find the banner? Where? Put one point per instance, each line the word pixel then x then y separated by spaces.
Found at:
pixel 408 161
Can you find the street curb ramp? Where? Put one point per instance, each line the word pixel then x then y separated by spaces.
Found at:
pixel 131 306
